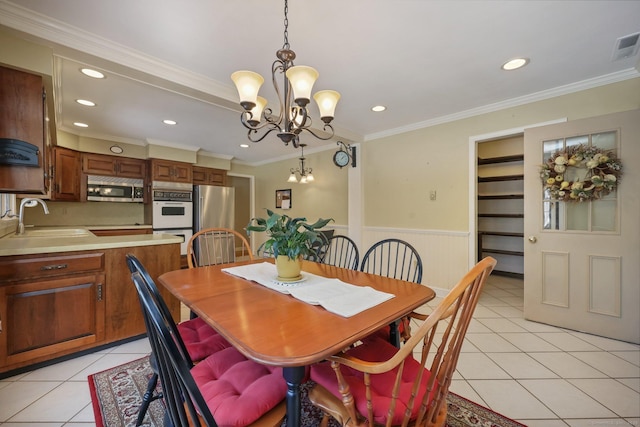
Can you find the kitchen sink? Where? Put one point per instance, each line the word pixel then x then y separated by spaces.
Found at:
pixel 53 233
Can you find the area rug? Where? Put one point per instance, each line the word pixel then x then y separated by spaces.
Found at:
pixel 117 393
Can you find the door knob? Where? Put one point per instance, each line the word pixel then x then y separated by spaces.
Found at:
pixel 533 239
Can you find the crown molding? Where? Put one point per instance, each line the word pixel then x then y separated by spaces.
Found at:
pixel 59 33
pixel 514 102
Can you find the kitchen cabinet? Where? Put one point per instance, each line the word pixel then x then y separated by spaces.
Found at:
pixel 66 175
pixel 501 207
pixel 121 231
pixel 105 165
pixel 50 304
pixel 167 170
pixel 209 176
pixel 53 305
pixel 23 134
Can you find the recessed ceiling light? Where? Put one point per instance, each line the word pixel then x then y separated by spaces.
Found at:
pixel 244 145
pixel 116 149
pixel 86 102
pixel 378 108
pixel 169 122
pixel 514 64
pixel 81 125
pixel 92 73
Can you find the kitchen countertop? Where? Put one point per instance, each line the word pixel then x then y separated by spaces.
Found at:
pixel 37 245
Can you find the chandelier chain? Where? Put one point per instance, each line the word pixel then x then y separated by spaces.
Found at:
pixel 286 26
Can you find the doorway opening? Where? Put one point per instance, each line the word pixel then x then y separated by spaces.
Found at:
pixel 500 203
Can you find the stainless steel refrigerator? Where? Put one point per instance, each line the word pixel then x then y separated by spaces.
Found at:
pixel 213 207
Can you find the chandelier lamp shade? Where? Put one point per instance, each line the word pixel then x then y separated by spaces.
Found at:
pixel 293 97
pixel 306 174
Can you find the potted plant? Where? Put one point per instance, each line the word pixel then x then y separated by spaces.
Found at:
pixel 290 239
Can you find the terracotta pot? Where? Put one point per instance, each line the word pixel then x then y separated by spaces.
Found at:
pixel 288 269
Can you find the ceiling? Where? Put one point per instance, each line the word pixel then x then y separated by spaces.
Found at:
pixel 427 61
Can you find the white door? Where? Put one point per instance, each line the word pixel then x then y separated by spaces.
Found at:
pixel 582 259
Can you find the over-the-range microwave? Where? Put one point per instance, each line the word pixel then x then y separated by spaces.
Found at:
pixel 114 189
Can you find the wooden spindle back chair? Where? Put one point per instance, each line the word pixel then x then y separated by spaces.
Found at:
pixel 378 384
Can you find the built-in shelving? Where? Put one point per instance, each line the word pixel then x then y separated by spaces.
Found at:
pixel 501 204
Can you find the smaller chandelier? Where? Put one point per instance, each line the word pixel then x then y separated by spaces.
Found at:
pixel 293 116
pixel 305 173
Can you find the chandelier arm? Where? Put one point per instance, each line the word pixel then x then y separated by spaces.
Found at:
pixel 254 131
pixel 332 133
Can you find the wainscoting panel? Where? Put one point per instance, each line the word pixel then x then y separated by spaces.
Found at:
pixel 445 254
pixel 604 285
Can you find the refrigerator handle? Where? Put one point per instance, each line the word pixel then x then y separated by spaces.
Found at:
pixel 200 219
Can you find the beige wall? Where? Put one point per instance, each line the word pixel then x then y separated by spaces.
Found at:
pixel 326 197
pixel 399 171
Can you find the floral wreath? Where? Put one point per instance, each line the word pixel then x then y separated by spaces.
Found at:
pixel 603 172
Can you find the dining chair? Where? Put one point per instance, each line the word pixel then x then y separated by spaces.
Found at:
pixel 342 252
pixel 377 383
pixel 212 246
pixel 397 259
pixel 224 389
pixel 197 339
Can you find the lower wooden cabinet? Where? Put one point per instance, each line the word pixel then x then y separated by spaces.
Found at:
pixel 50 316
pixel 52 305
pixel 122 231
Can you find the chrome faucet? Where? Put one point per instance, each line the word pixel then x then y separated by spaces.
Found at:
pixel 29 202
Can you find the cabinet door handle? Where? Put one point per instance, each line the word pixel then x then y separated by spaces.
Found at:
pixel 100 292
pixel 53 267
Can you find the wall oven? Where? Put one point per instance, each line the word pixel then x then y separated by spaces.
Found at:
pixel 172 210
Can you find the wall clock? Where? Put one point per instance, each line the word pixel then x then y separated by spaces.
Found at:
pixel 341 158
pixel 345 155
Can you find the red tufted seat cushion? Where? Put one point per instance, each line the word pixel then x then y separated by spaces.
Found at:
pixel 375 350
pixel 201 339
pixel 229 381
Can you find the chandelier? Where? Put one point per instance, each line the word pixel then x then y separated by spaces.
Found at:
pixel 305 173
pixel 293 116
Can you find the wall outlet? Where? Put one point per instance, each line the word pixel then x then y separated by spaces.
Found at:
pixel 432 195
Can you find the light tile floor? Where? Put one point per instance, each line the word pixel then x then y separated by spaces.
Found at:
pixel 534 373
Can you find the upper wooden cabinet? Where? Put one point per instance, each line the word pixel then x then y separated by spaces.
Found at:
pixel 209 176
pixel 167 170
pixel 66 174
pixel 22 132
pixel 100 164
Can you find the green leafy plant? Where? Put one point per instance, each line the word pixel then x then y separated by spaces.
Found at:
pixel 293 237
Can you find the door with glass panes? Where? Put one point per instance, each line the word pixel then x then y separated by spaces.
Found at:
pixel 582 257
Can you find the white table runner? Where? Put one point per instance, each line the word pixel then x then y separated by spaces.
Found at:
pixel 334 295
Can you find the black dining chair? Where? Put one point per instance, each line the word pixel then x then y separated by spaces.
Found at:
pixel 197 339
pixel 396 259
pixel 342 252
pixel 238 391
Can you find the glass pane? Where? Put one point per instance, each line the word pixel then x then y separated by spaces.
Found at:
pixel 603 215
pixel 611 196
pixel 551 216
pixel 577 140
pixel 605 140
pixel 577 216
pixel 550 147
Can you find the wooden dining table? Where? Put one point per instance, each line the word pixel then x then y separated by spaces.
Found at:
pixel 273 328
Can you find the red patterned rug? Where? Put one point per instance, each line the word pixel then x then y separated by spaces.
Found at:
pixel 117 393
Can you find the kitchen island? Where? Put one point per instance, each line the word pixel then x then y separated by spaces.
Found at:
pixel 64 290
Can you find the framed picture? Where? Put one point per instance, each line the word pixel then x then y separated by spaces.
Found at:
pixel 283 199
